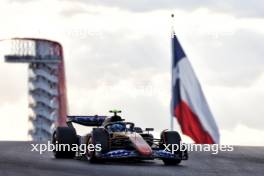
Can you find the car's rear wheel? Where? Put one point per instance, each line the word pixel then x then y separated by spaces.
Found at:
pixel 171 137
pixel 64 136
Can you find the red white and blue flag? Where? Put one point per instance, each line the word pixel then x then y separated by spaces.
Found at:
pixel 189 105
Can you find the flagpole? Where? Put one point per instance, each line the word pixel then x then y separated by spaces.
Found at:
pixel 172 117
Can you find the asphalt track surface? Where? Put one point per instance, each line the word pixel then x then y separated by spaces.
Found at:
pixel 16 159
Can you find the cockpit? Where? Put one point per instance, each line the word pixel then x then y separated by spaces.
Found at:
pixel 120 127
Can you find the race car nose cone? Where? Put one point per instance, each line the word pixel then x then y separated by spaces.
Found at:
pixel 145 150
pixel 140 144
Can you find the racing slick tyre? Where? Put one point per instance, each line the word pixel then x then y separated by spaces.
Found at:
pixel 99 136
pixel 64 135
pixel 171 137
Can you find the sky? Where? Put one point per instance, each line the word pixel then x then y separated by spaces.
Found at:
pixel 118 55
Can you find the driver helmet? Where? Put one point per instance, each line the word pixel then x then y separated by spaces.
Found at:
pixel 117 127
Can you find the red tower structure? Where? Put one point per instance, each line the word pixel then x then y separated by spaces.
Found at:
pixel 46 80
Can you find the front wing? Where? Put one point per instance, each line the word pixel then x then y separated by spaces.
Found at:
pixel 156 154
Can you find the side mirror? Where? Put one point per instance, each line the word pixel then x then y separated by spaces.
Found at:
pixel 149 129
pixel 138 130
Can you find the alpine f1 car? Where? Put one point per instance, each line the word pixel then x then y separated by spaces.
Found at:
pixel 118 140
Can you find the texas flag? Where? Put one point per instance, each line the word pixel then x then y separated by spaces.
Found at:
pixel 188 102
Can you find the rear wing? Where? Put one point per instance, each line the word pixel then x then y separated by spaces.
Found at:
pixel 95 120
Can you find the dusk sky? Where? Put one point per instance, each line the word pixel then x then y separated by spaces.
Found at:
pixel 118 55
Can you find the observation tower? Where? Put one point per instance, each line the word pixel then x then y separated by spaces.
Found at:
pixel 46 82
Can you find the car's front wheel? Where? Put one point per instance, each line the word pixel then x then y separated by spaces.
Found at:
pixel 171 137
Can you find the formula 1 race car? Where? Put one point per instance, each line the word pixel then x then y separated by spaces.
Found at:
pixel 118 140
